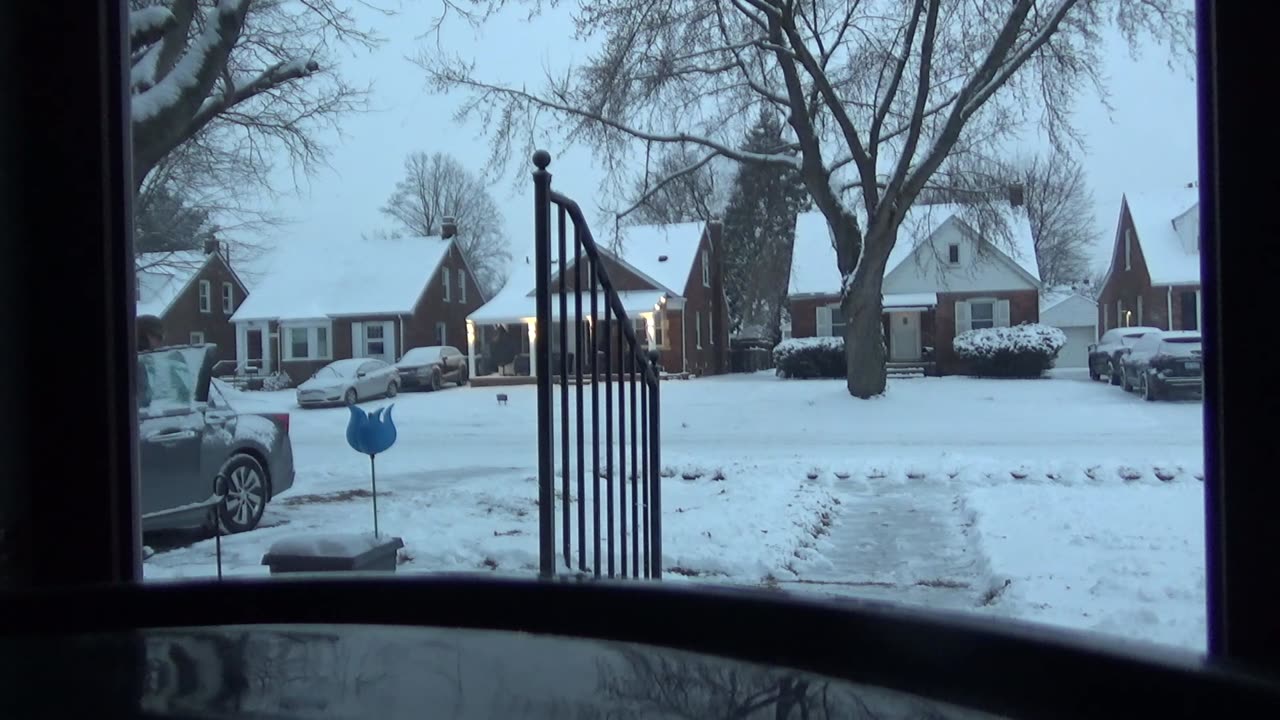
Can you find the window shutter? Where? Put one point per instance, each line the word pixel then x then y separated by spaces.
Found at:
pixel 1002 313
pixel 962 316
pixel 357 339
pixel 824 321
pixel 389 339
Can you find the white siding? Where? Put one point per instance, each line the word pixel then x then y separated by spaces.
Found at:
pixel 927 269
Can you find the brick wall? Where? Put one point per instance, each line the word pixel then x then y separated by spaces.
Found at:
pixel 184 317
pixel 420 327
pixel 1126 286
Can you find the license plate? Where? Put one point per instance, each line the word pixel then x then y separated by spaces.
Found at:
pixel 1191 365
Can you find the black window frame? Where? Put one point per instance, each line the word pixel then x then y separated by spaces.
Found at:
pixel 71 161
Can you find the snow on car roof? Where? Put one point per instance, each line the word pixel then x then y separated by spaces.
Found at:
pixel 813 261
pixel 1180 335
pixel 162 276
pixel 1170 260
pixel 364 277
pixel 421 355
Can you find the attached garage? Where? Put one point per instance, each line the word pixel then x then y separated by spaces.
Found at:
pixel 1077 317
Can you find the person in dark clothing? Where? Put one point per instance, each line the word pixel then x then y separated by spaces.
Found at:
pixel 150 332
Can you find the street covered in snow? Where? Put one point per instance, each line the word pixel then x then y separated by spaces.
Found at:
pixel 1058 500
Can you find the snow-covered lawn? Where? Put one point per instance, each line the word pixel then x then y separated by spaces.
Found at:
pixel 935 493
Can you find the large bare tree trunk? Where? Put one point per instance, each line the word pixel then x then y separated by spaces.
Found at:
pixel 865 352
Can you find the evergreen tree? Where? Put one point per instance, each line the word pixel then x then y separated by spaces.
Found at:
pixel 759 234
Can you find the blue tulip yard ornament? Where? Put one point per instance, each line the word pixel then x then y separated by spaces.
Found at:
pixel 371 434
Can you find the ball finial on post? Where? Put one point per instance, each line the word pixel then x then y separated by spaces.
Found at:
pixel 542 159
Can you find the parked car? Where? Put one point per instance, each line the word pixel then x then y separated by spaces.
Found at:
pixel 1104 356
pixel 431 367
pixel 1162 363
pixel 189 435
pixel 349 381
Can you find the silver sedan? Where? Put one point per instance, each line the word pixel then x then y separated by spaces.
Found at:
pixel 349 381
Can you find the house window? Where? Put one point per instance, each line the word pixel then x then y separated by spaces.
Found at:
pixel 1190 310
pixel 697 329
pixel 1128 249
pixel 299 348
pixel 1139 309
pixel 197 338
pixel 1120 317
pixel 953 254
pixel 659 330
pixel 982 314
pixel 442 334
pixel 228 298
pixel 306 342
pixel 1106 317
pixel 711 326
pixel 444 272
pixel 206 301
pixel 374 342
pixel 706 269
pixel 462 285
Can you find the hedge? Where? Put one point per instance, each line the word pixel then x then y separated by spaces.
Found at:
pixel 819 357
pixel 1022 351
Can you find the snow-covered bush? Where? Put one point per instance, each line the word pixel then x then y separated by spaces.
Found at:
pixel 820 357
pixel 277 381
pixel 1025 350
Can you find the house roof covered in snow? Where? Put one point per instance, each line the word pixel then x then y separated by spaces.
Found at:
pixel 813 263
pixel 364 277
pixel 516 303
pixel 1064 307
pixel 662 253
pixel 162 276
pixel 1167 224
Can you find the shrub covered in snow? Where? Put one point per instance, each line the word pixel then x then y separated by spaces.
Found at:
pixel 820 357
pixel 1025 350
pixel 277 381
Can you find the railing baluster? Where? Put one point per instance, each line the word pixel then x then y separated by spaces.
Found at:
pixel 578 327
pixel 655 478
pixel 635 501
pixel 622 450
pixel 608 427
pixel 595 427
pixel 565 467
pixel 542 360
pixel 644 475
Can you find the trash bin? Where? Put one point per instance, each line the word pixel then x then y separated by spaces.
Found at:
pixel 328 552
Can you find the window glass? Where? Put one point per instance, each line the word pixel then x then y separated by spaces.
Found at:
pixel 298 342
pixel 982 314
pixel 322 342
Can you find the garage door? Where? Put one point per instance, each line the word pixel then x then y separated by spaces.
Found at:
pixel 1075 354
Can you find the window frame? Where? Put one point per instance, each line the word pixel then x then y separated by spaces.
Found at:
pixel 706 268
pixel 987 302
pixel 442 333
pixel 953 249
pixel 192 337
pixel 462 285
pixel 312 329
pixel 1128 248
pixel 446 276
pixel 697 329
pixel 228 298
pixel 204 291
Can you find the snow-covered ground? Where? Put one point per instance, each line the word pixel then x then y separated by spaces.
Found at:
pixel 1084 498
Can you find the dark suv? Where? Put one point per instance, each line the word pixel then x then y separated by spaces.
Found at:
pixel 1104 356
pixel 1162 363
pixel 189 435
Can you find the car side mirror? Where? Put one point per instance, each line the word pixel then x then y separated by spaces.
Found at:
pixel 361 374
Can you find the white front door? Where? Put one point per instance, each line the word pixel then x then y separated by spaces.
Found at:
pixel 904 336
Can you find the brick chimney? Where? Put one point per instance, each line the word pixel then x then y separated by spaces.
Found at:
pixel 1015 195
pixel 210 245
pixel 448 227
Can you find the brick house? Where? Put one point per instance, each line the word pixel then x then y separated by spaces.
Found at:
pixel 1153 278
pixel 670 283
pixel 371 298
pixel 943 277
pixel 193 293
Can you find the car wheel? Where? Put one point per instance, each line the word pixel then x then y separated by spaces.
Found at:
pixel 1113 372
pixel 392 389
pixel 462 377
pixel 1094 375
pixel 436 380
pixel 246 494
pixel 1149 392
pixel 351 398
pixel 1124 381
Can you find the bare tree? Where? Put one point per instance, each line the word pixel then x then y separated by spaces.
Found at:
pixel 437 185
pixel 877 95
pixel 691 188
pixel 1060 208
pixel 239 80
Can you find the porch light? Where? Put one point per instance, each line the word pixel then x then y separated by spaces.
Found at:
pixel 650 334
pixel 471 332
pixel 532 323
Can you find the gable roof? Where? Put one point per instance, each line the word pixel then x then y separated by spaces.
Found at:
pixel 645 246
pixel 516 302
pixel 1169 262
pixel 1063 307
pixel 365 277
pixel 163 276
pixel 813 260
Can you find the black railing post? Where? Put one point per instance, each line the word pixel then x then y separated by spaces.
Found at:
pixel 578 327
pixel 608 431
pixel 595 424
pixel 542 361
pixel 655 488
pixel 635 468
pixel 565 466
pixel 622 450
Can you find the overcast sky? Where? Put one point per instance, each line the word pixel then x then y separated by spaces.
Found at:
pixel 1147 140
